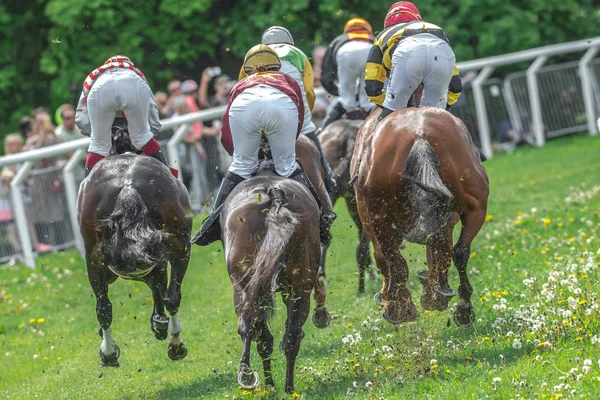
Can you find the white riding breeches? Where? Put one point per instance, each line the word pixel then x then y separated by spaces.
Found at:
pixel 289 69
pixel 418 59
pixel 351 61
pixel 125 91
pixel 263 110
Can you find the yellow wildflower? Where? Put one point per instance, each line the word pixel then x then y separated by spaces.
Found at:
pixel 32 321
pixel 246 393
pixel 41 320
pixel 571 239
pixel 560 224
pixel 389 368
pixel 525 231
pixel 571 219
pixel 547 221
pixel 518 222
pixel 6 297
pixel 519 213
pixel 349 325
pixel 58 358
pixel 20 326
pixel 489 218
pixel 45 358
pixel 473 254
pixel 295 395
pixel 483 298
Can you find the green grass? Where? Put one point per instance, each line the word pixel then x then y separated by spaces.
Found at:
pixel 58 358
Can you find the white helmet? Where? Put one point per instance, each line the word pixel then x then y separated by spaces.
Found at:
pixel 277 34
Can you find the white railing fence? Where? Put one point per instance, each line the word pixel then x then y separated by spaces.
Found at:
pixel 547 101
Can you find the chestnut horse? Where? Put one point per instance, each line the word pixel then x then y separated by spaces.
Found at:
pixel 135 217
pixel 418 174
pixel 338 140
pixel 271 243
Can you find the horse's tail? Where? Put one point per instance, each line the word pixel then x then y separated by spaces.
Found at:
pixel 261 277
pixel 130 239
pixel 422 170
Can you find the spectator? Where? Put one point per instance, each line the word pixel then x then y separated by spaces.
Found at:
pixel 190 143
pixel 13 143
pixel 161 100
pixel 26 127
pixel 67 130
pixel 174 89
pixel 47 190
pixel 222 86
pixel 189 88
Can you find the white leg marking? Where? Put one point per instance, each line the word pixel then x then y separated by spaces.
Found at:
pixel 175 324
pixel 108 345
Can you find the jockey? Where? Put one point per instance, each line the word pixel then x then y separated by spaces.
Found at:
pixel 295 64
pixel 266 102
pixel 117 89
pixel 409 52
pixel 345 62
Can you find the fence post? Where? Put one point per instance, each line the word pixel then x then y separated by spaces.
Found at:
pixel 482 120
pixel 512 107
pixel 588 90
pixel 71 193
pixel 172 148
pixel 534 100
pixel 16 193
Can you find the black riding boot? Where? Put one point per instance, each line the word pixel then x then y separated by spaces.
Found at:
pixel 329 180
pixel 327 216
pixel 333 114
pixel 211 228
pixel 384 113
pixel 160 157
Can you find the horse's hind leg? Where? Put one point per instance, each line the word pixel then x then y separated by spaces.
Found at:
pixel 157 282
pixel 472 222
pixel 177 349
pixel 100 278
pixel 436 289
pixel 264 346
pixel 247 378
pixel 298 308
pixel 399 306
pixel 320 316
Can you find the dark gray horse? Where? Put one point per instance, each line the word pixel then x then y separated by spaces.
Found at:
pixel 135 217
pixel 271 243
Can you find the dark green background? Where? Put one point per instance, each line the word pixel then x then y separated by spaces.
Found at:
pixel 179 38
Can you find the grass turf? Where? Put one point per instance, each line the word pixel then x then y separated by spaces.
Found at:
pixel 536 298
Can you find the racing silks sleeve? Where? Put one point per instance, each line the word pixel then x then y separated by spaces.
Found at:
pixel 455 88
pixel 375 75
pixel 308 79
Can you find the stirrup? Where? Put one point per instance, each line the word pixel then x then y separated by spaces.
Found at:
pixel 211 229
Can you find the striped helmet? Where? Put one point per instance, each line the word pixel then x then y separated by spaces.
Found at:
pixel 402 11
pixel 358 24
pixel 277 34
pixel 261 54
pixel 118 59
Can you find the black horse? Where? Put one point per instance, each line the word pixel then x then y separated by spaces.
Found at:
pixel 135 217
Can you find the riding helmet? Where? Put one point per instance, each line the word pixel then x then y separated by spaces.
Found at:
pixel 118 59
pixel 358 24
pixel 402 11
pixel 277 34
pixel 261 54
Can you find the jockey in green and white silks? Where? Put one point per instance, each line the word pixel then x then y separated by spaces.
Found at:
pixel 296 64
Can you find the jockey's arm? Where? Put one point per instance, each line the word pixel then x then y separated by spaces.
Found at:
pixel 454 89
pixel 308 78
pixel 153 117
pixel 375 74
pixel 329 72
pixel 82 118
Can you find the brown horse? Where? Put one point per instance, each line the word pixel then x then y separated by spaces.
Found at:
pixel 271 243
pixel 418 174
pixel 338 140
pixel 134 217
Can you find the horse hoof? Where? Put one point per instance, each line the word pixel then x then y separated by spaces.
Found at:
pixel 321 317
pixel 447 293
pixel 423 276
pixel 160 326
pixel 464 317
pixel 395 315
pixel 248 380
pixel 112 359
pixel 177 352
pixel 379 299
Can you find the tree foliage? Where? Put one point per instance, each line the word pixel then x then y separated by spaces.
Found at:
pixel 48 46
